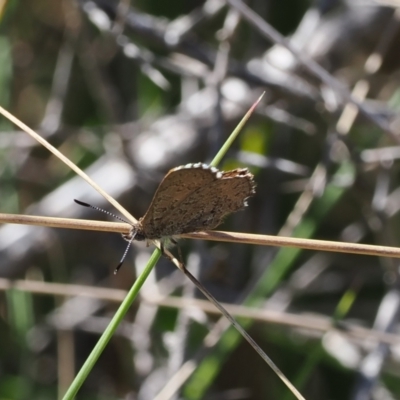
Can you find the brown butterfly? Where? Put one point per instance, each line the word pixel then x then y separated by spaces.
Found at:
pixel 191 198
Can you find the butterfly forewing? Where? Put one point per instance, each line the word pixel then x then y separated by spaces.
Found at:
pixel 194 198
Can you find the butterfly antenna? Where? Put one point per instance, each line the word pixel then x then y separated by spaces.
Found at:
pixel 81 203
pixel 124 255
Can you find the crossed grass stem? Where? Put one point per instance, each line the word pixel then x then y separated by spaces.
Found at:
pixel 125 228
pixel 211 235
pixel 104 339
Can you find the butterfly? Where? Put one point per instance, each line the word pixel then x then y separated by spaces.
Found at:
pixel 191 198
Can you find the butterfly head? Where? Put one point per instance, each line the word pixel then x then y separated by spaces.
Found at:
pixel 136 233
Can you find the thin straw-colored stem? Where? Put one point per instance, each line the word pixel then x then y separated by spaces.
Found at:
pixel 65 160
pixel 66 223
pixel 309 322
pixel 309 244
pixel 218 236
pixel 246 336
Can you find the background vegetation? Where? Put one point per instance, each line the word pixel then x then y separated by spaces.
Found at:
pixel 128 90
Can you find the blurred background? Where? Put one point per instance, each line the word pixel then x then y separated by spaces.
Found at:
pixel 128 90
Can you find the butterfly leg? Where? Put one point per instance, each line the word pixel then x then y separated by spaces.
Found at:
pixel 175 243
pixel 170 256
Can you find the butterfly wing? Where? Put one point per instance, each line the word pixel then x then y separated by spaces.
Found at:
pixel 176 186
pixel 196 198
